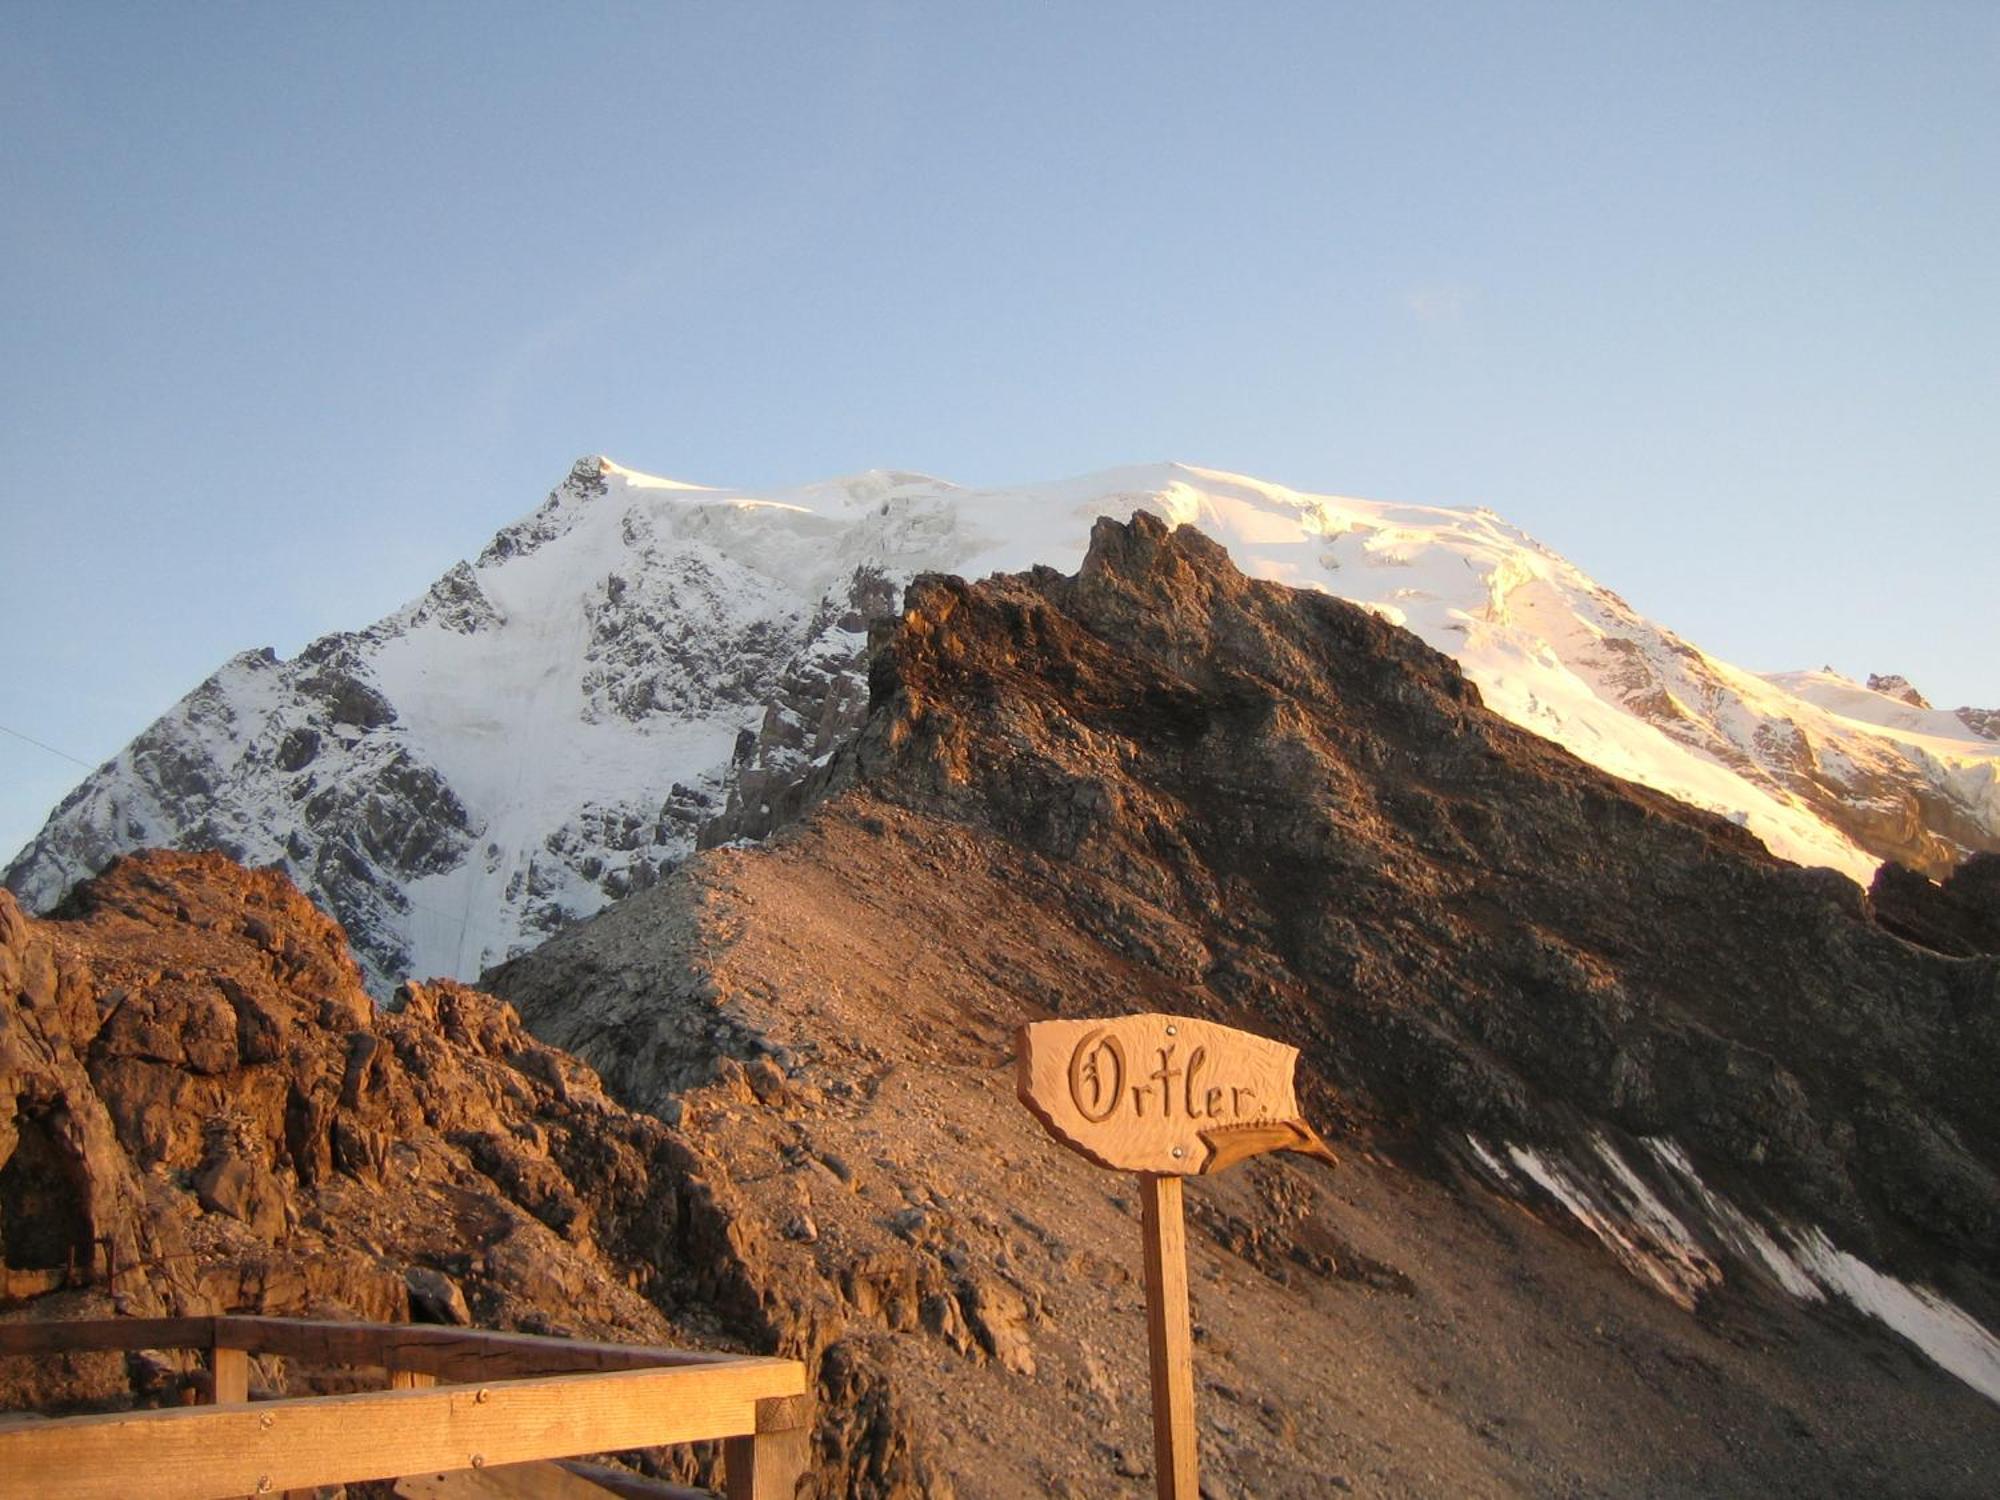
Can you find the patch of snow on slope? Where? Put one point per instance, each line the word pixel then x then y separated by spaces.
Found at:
pixel 1935 1324
pixel 1657 1245
pixel 1744 1235
pixel 1640 1231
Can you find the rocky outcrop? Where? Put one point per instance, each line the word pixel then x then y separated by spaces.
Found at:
pixel 1959 915
pixel 201 1111
pixel 1897 686
pixel 820 700
pixel 1515 982
pixel 1984 722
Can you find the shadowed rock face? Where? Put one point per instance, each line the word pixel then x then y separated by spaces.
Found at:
pixel 1160 785
pixel 1959 916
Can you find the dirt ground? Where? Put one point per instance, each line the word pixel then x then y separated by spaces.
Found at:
pixel 1388 1328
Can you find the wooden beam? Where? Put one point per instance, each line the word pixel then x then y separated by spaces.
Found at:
pixel 67 1336
pixel 229 1373
pixel 1169 1338
pixel 769 1464
pixel 764 1467
pixel 460 1354
pixel 783 1413
pixel 198 1453
pixel 411 1380
pixel 453 1353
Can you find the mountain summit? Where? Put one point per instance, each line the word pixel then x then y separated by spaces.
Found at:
pixel 554 723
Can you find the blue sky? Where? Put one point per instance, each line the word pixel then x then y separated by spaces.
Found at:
pixel 300 304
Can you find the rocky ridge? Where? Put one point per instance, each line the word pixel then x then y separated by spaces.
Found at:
pixel 553 724
pixel 1751 1125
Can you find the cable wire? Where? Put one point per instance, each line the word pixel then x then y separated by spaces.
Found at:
pixel 39 745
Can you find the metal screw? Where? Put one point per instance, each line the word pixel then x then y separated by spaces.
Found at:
pixel 263 1484
pixel 265 1421
pixel 484 1395
pixel 1178 1153
pixel 1173 1031
pixel 479 1460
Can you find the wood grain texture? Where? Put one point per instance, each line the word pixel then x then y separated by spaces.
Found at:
pixel 1231 1144
pixel 769 1465
pixel 63 1336
pixel 765 1467
pixel 1146 1093
pixel 1170 1338
pixel 229 1370
pixel 782 1413
pixel 198 1453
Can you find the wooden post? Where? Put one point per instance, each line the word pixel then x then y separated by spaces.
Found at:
pixel 769 1465
pixel 410 1380
pixel 1170 1338
pixel 229 1369
pixel 1165 1097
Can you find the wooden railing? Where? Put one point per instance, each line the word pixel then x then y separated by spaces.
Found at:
pixel 457 1399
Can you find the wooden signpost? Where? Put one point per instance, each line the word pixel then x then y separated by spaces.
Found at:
pixel 1166 1097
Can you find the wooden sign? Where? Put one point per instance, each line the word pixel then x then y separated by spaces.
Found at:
pixel 1166 1097
pixel 1169 1094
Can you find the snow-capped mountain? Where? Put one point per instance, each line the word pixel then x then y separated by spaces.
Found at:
pixel 552 723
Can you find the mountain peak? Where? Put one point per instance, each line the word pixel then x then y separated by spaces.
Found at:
pixel 1895 685
pixel 551 726
pixel 600 467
